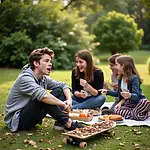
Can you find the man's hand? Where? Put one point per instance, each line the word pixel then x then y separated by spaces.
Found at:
pixel 63 105
pixel 68 107
pixel 103 91
pixel 66 103
pixel 70 102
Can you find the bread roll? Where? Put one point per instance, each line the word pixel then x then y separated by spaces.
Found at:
pixel 115 117
pixel 111 117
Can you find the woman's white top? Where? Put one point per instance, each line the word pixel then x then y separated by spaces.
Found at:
pixel 124 86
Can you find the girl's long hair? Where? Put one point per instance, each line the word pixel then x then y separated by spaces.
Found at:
pixel 128 67
pixel 85 55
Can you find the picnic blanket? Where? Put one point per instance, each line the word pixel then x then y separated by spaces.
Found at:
pixel 127 122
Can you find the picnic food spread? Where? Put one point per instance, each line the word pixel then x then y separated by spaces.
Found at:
pixel 87 111
pixel 79 135
pixel 81 116
pixel 92 129
pixel 84 114
pixel 111 117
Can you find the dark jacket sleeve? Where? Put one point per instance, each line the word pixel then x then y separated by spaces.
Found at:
pixel 116 93
pixel 113 93
pixel 136 93
pixel 98 79
pixel 75 82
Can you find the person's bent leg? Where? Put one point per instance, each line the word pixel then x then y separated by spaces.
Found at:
pixel 31 115
pixel 56 113
pixel 63 119
pixel 125 112
pixel 35 111
pixel 58 92
pixel 91 102
pixel 140 112
pixel 113 105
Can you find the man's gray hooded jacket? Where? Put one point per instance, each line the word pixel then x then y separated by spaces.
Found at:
pixel 26 87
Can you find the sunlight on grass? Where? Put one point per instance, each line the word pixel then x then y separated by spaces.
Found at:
pixel 63 76
pixel 139 56
pixel 7 78
pixel 125 134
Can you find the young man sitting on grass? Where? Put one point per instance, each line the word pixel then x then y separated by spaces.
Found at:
pixel 28 100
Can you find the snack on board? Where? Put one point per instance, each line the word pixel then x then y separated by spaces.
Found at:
pixel 111 117
pixel 94 112
pixel 115 117
pixel 92 129
pixel 81 116
pixel 90 111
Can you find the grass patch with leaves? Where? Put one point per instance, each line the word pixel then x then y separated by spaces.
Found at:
pixel 44 137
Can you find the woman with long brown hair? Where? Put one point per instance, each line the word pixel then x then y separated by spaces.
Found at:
pixel 86 81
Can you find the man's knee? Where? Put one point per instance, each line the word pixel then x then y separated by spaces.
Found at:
pixel 58 92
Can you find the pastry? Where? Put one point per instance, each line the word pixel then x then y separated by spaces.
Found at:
pixel 111 117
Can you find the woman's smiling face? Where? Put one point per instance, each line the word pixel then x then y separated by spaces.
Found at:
pixel 81 64
pixel 119 68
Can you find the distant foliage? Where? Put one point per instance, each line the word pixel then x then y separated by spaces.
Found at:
pixel 14 49
pixel 117 32
pixel 145 47
pixel 148 65
pixel 27 27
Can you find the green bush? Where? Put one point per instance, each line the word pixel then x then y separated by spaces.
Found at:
pixel 117 32
pixel 145 47
pixel 14 50
pixel 43 25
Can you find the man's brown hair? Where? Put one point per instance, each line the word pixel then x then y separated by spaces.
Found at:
pixel 37 54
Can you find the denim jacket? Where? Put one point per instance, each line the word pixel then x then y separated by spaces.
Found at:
pixel 133 87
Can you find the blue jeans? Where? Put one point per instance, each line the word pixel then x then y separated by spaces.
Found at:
pixel 89 102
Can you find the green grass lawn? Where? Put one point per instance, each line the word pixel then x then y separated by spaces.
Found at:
pixel 46 137
pixel 139 56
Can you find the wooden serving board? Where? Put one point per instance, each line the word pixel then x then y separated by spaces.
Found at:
pixel 73 135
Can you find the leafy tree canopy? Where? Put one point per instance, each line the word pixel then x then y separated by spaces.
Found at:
pixel 117 32
pixel 41 25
